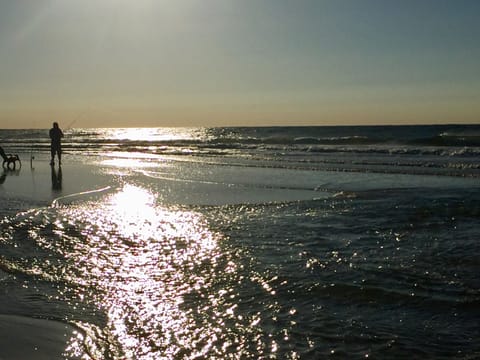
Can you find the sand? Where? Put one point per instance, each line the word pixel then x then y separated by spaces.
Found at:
pixel 28 338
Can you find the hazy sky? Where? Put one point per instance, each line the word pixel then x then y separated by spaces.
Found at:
pixel 238 62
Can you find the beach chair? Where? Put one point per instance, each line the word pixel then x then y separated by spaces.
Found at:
pixel 9 161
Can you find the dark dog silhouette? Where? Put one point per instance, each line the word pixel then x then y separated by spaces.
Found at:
pixel 9 160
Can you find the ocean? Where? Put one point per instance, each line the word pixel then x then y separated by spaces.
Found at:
pixel 248 243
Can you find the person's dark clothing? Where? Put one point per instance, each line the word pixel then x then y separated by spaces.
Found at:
pixel 56 135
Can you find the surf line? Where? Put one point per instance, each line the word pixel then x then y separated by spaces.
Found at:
pixel 56 201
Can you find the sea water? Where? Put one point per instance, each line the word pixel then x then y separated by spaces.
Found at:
pixel 255 243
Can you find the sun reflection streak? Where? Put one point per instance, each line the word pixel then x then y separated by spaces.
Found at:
pixel 143 260
pixel 158 134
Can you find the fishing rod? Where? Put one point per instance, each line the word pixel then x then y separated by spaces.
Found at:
pixel 70 125
pixel 31 149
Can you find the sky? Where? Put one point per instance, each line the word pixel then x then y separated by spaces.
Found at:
pixel 122 63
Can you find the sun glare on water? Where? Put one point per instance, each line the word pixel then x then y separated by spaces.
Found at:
pixel 157 134
pixel 143 260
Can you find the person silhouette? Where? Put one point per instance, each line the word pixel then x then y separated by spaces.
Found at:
pixel 56 135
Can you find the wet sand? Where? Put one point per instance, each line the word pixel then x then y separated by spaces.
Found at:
pixel 28 338
pixel 38 181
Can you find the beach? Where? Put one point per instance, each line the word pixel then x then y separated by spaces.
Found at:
pixel 236 180
pixel 217 246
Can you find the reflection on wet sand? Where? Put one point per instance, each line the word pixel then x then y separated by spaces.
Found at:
pixel 56 178
pixel 8 172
